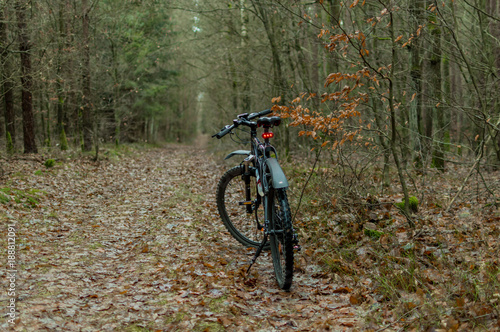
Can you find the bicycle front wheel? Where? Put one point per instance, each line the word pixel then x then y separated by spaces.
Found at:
pixel 231 202
pixel 281 237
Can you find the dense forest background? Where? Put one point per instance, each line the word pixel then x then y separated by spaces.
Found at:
pixel 412 84
pixel 390 141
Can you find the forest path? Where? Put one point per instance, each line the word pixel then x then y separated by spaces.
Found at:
pixel 136 244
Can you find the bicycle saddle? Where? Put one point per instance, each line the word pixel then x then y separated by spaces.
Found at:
pixel 268 122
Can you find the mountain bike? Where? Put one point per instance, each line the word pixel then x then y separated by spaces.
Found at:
pixel 252 198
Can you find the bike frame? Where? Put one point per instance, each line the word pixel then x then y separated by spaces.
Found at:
pixel 259 160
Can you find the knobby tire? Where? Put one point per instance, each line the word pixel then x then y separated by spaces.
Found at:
pixel 231 191
pixel 282 238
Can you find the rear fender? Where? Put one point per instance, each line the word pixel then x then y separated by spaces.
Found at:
pixel 277 174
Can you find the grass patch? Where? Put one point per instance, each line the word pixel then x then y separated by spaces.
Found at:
pixel 177 317
pixel 116 152
pixel 373 234
pixel 95 245
pixel 209 327
pixel 217 305
pixel 136 328
pixel 28 198
pixel 4 199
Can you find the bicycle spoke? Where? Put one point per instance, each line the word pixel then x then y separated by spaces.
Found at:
pixel 232 205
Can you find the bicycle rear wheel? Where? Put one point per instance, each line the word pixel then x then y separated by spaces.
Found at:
pixel 242 225
pixel 281 237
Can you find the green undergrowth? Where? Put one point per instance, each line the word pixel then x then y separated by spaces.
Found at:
pixel 113 151
pixel 413 203
pixel 27 198
pixel 445 273
pixel 106 151
pixel 49 163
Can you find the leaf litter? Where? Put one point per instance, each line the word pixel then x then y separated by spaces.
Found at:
pixel 137 244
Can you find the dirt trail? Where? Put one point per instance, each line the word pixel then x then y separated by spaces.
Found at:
pixel 136 244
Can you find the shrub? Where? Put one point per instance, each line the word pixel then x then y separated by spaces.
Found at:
pixel 49 163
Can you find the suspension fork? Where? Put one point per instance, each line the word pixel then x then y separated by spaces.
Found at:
pixel 246 177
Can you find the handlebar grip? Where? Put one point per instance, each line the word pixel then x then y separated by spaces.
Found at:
pixel 262 113
pixel 223 132
pixel 265 112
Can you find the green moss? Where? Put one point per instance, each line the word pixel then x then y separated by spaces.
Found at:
pixel 447 141
pixel 373 234
pixel 10 144
pixel 50 163
pixel 63 140
pixel 413 204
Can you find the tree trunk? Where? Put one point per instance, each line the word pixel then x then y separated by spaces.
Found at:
pixel 234 80
pixel 416 10
pixel 494 8
pixel 26 79
pixel 245 81
pixel 315 82
pixel 71 121
pixel 334 20
pixel 7 85
pixel 116 93
pixel 278 79
pixel 435 108
pixel 59 80
pixel 87 121
pixel 394 130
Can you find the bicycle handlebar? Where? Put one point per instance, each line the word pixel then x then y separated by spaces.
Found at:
pixel 262 113
pixel 242 119
pixel 224 131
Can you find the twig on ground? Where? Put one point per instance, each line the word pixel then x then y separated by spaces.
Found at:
pixel 478 159
pixel 397 320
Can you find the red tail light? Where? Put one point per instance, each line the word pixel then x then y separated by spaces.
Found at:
pixel 267 135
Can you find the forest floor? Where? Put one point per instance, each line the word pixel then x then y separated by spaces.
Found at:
pixel 133 242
